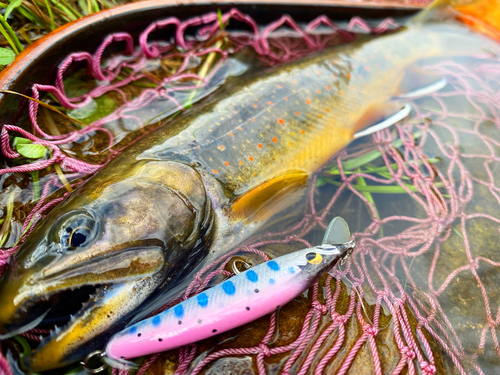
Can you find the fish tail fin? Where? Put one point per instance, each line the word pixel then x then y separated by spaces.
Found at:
pixel 480 15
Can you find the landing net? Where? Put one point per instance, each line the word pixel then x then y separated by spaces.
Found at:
pixel 374 313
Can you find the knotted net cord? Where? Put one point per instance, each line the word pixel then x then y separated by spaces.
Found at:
pixel 374 268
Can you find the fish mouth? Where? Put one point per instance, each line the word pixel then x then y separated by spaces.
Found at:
pixel 75 295
pixel 50 312
pixel 56 285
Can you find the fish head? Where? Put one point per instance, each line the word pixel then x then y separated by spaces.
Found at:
pixel 116 231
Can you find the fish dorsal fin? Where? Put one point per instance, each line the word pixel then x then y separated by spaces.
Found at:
pixel 337 232
pixel 270 197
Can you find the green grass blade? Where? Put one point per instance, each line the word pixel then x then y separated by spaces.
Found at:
pixel 36 186
pixel 372 155
pixel 369 198
pixel 66 12
pixel 11 43
pixel 7 35
pixel 4 231
pixel 31 16
pixel 51 15
pixel 72 9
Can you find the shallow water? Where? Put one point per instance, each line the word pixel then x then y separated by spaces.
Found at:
pixel 436 250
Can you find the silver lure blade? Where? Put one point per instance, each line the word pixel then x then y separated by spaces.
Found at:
pixel 337 232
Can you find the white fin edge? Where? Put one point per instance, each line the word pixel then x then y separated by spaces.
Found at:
pixel 25 328
pixel 120 364
pixel 436 86
pixel 398 116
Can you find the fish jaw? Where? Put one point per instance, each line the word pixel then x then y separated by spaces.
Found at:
pixel 110 246
pixel 71 342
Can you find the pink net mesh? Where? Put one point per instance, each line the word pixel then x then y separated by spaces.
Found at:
pixel 447 235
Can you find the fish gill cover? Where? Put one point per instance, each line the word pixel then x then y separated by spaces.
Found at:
pixel 440 163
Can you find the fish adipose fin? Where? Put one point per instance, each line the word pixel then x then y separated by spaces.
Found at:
pixel 271 196
pixel 384 118
pixel 337 232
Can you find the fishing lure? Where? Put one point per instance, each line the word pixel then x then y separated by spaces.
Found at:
pixel 237 301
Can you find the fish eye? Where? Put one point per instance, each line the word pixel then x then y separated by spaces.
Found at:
pixel 314 258
pixel 77 231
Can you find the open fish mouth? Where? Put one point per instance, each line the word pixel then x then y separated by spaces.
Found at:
pixel 78 303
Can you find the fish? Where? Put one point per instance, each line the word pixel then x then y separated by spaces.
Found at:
pixel 241 299
pixel 204 182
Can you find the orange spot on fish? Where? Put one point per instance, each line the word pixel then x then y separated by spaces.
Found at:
pixel 294 82
pixel 285 98
pixel 280 87
pixel 227 163
pixel 281 121
pixel 348 76
pixel 327 109
pixel 303 131
pixel 250 158
pixel 235 111
pixel 320 116
pixel 275 139
pixel 367 68
pixel 270 103
pixel 231 134
pixel 318 91
pixel 291 143
pixel 239 128
pixel 308 101
pixel 341 93
pixel 241 162
pixel 198 147
pixel 221 147
pixel 260 145
pixel 297 113
pixel 292 134
pixel 215 171
pixel 334 75
pixel 328 87
pixel 252 119
pixel 254 105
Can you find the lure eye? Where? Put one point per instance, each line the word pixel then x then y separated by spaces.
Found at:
pixel 77 231
pixel 314 258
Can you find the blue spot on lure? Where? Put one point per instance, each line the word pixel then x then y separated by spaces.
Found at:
pixel 245 297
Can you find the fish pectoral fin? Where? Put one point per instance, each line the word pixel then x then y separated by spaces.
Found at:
pixel 270 197
pixel 417 81
pixel 94 321
pixel 380 116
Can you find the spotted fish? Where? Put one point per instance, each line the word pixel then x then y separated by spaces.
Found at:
pixel 203 183
pixel 237 301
